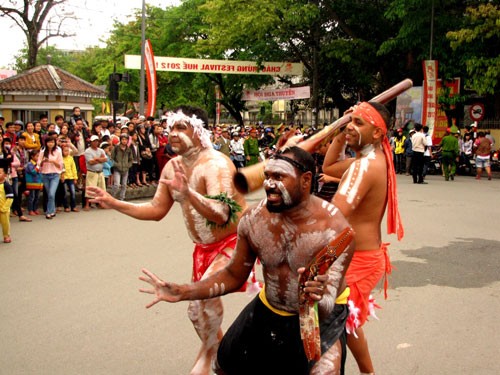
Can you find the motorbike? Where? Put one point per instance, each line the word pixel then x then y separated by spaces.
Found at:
pixel 466 166
pixel 495 162
pixel 434 166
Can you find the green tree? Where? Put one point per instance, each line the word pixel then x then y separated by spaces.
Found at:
pixel 413 41
pixel 476 45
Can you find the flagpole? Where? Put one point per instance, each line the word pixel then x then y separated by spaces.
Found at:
pixel 143 38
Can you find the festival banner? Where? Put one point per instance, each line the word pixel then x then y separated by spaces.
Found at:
pixel 185 65
pixel 429 109
pixel 303 92
pixel 149 61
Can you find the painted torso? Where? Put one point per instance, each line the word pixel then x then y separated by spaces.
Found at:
pixel 285 242
pixel 209 173
pixel 362 194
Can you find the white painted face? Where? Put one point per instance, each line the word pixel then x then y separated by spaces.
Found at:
pixel 281 185
pixel 180 138
pixel 196 124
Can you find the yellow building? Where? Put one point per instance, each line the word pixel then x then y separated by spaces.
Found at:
pixel 46 90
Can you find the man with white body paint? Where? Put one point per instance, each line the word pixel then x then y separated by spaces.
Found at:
pixel 367 186
pixel 200 179
pixel 285 232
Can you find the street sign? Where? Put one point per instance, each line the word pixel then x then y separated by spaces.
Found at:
pixel 476 111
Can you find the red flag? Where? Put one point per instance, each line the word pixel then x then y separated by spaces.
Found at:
pixel 149 60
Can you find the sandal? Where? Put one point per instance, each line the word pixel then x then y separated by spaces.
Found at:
pixel 24 218
pixel 7 239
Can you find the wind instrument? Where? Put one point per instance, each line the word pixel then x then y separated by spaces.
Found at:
pixel 250 178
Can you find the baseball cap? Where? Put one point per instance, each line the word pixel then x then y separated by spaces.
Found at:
pixel 94 138
pixel 104 144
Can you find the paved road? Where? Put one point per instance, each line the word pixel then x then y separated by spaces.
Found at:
pixel 69 302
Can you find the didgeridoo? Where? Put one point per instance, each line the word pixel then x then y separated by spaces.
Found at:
pixel 250 178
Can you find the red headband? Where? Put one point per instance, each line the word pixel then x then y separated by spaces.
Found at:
pixel 370 114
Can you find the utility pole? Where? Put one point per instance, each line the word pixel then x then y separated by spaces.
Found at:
pixel 432 30
pixel 143 40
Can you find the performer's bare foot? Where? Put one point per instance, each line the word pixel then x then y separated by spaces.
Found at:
pixel 203 364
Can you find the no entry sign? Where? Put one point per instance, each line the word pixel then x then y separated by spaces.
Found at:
pixel 476 111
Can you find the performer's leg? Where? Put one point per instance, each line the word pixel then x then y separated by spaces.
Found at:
pixel 330 361
pixel 359 349
pixel 206 316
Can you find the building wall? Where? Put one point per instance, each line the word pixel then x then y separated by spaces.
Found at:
pixel 52 104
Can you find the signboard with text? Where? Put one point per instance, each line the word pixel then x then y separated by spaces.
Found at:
pixel 180 64
pixel 303 92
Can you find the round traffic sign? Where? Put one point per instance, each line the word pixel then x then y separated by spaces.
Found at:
pixel 476 111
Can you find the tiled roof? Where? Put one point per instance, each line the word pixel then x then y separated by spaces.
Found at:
pixel 49 80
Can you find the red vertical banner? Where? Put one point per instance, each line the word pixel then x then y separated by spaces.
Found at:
pixel 217 105
pixel 151 75
pixel 429 102
pixel 441 122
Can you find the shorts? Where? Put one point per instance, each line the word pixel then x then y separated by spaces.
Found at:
pixel 482 161
pixel 94 179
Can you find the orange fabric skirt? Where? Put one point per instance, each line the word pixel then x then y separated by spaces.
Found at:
pixel 366 269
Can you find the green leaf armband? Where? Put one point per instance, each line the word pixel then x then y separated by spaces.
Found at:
pixel 234 208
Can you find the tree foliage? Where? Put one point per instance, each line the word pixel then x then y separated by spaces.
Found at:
pixel 478 45
pixel 351 49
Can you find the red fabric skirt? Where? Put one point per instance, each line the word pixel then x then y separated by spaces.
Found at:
pixel 366 269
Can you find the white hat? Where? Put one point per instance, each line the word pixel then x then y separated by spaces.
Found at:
pixel 94 138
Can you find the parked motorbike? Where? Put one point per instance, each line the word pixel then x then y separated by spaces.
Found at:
pixel 495 163
pixel 466 166
pixel 434 166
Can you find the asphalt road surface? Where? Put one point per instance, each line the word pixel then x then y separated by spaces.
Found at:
pixel 69 300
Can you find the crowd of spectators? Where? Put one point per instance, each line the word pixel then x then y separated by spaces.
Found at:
pixel 48 165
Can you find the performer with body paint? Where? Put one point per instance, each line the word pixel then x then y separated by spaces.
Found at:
pixel 366 188
pixel 200 179
pixel 285 232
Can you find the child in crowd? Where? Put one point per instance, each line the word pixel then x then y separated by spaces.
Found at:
pixel 69 178
pixel 106 170
pixel 134 172
pixel 33 183
pixel 6 199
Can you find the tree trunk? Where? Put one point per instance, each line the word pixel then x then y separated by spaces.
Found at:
pixel 32 49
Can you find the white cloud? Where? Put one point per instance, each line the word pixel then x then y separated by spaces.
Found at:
pixel 95 20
